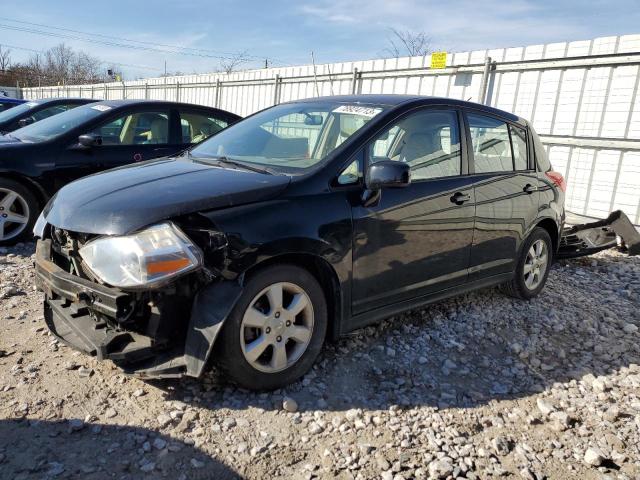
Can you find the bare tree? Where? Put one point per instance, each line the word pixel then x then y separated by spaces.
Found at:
pixel 5 58
pixel 59 65
pixel 229 65
pixel 406 43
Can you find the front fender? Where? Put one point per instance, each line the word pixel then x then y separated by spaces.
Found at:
pixel 210 309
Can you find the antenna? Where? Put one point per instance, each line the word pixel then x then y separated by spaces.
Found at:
pixel 330 78
pixel 315 77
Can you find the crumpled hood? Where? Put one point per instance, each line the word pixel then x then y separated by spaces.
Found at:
pixel 119 201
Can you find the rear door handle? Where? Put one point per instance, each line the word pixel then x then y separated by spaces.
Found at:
pixel 459 198
pixel 528 188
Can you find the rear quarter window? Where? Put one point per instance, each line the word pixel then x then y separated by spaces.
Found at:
pixel 542 160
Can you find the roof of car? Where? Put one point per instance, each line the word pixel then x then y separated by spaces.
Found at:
pixel 396 100
pixel 11 100
pixel 121 103
pixel 43 101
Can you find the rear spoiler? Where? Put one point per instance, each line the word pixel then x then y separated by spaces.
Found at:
pixel 581 239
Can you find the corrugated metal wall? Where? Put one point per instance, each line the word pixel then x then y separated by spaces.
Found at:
pixel 581 96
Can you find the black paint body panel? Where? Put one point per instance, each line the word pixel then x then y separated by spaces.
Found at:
pixel 414 245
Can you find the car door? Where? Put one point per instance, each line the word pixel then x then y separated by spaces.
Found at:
pixel 197 125
pixel 505 184
pixel 128 136
pixel 415 240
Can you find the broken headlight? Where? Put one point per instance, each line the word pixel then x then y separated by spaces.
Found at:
pixel 147 258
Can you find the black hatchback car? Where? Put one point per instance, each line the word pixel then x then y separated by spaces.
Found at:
pixel 37 160
pixel 297 224
pixel 35 110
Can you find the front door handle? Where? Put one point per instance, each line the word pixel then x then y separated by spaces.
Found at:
pixel 459 198
pixel 528 188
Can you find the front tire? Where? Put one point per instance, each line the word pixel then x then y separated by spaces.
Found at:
pixel 533 266
pixel 18 212
pixel 276 330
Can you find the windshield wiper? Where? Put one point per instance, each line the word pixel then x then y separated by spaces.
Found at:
pixel 229 161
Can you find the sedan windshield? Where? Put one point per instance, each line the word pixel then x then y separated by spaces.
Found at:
pixel 56 125
pixel 290 138
pixel 16 111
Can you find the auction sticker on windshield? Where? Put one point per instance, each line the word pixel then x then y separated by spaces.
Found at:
pixel 101 108
pixel 358 110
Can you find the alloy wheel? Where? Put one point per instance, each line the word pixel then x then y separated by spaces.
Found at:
pixel 277 327
pixel 535 265
pixel 14 214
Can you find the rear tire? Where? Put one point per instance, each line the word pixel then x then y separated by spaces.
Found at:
pixel 17 203
pixel 276 330
pixel 533 266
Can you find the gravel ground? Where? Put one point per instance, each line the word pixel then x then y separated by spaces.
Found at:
pixel 479 386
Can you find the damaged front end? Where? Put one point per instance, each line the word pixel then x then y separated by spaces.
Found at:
pixel 584 236
pixel 167 331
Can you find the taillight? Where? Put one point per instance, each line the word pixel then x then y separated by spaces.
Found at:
pixel 557 179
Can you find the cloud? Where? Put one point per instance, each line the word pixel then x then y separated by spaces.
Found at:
pixel 327 15
pixel 462 24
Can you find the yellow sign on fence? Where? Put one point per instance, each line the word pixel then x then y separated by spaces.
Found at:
pixel 439 60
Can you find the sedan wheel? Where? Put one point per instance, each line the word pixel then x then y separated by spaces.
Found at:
pixel 14 214
pixel 277 327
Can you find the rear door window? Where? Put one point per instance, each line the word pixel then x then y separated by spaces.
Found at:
pixel 491 146
pixel 196 127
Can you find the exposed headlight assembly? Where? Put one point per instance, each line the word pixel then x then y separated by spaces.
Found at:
pixel 148 258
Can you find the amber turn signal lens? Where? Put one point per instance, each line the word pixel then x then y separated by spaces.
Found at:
pixel 167 266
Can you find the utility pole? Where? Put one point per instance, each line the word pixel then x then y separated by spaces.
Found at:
pixel 266 63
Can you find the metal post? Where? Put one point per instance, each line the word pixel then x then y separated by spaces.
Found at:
pixel 354 81
pixel 276 90
pixel 146 90
pixel 177 91
pixel 218 91
pixel 106 92
pixel 484 81
pixel 92 91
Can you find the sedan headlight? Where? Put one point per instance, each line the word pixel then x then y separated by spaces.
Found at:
pixel 147 258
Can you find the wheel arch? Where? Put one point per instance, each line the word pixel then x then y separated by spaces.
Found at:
pixel 552 228
pixel 322 271
pixel 26 182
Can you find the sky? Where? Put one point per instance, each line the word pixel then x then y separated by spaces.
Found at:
pixel 286 32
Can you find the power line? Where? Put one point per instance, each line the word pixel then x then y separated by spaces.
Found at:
pixel 104 42
pixel 176 50
pixel 155 44
pixel 105 62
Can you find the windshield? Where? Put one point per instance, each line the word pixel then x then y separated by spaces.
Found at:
pixel 56 125
pixel 16 111
pixel 291 138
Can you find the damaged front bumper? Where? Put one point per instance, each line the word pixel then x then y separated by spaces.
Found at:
pixel 585 236
pixel 174 338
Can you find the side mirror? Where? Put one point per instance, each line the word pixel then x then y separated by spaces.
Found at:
pixel 388 174
pixel 23 122
pixel 90 140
